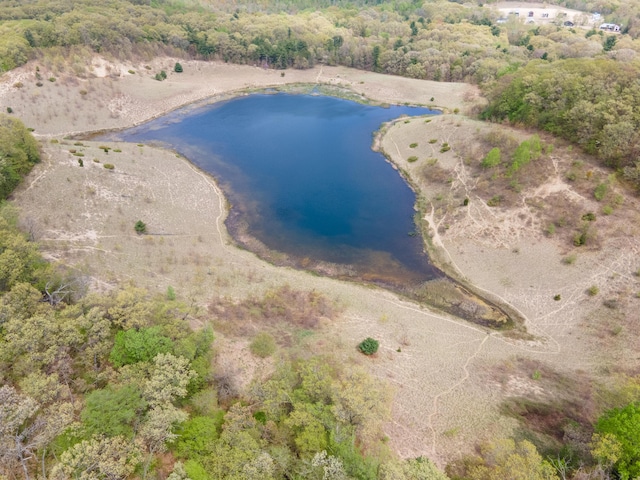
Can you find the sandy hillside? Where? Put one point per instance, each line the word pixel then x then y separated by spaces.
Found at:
pixel 448 376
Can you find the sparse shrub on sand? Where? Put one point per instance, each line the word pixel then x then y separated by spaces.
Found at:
pixel 263 345
pixel 369 346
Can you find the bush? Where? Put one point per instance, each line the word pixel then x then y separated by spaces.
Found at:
pixel 140 227
pixel 109 166
pixel 369 346
pixel 178 68
pixel 413 145
pixel 263 345
pixel 9 110
pixel 412 159
pixel 600 191
pixel 593 290
pixel 492 159
pixel 445 148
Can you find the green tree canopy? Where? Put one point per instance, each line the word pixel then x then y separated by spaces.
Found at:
pixel 617 440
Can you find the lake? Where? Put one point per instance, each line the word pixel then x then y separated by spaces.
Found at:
pixel 304 187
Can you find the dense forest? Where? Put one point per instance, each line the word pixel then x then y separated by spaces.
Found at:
pixel 118 385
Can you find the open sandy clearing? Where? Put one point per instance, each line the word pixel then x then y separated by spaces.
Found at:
pixel 437 364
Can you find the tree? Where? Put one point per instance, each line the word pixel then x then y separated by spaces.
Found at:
pixel 168 381
pixel 157 430
pixel 617 440
pixel 132 346
pixel 26 427
pixel 140 227
pixel 99 458
pixel 506 458
pixel 112 411
pixel 177 68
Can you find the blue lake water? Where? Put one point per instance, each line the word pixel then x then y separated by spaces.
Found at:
pixel 304 186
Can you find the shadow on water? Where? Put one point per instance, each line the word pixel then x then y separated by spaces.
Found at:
pixel 307 191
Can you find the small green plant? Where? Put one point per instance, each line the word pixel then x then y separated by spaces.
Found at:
pixel 80 162
pixel 52 79
pixel 95 160
pixel 78 154
pixel 536 375
pixel 109 166
pixel 456 111
pixel 607 210
pixel 412 159
pixel 600 191
pixel 593 290
pixel 263 345
pixel 570 259
pixel 465 202
pixel 117 150
pixel 131 72
pixel 445 147
pixel 413 145
pixel 369 346
pixel 171 293
pixel 140 227
pixel 9 110
pixel 433 140
pixel 589 217
pixel 431 99
pixel 494 201
pixel 177 68
pixel 557 297
pixel 492 159
pixel 551 230
pixel 83 92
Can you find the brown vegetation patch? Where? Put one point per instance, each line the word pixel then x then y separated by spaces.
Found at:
pixel 282 305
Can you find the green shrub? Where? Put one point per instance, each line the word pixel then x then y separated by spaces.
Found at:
pixel 492 159
pixel 140 227
pixel 132 72
pixel 607 210
pixel 171 293
pixel 369 346
pixel 445 147
pixel 177 68
pixel 263 345
pixel 494 201
pixel 557 297
pixel 413 145
pixel 589 217
pixel 9 110
pixel 593 290
pixel 412 159
pixel 600 191
pixel 433 140
pixel 52 79
pixel 109 166
pixel 570 259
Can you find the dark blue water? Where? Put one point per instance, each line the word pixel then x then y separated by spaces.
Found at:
pixel 302 179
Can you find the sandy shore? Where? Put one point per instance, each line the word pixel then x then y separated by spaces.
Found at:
pixel 449 376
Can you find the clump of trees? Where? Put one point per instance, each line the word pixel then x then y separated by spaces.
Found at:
pixel 18 153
